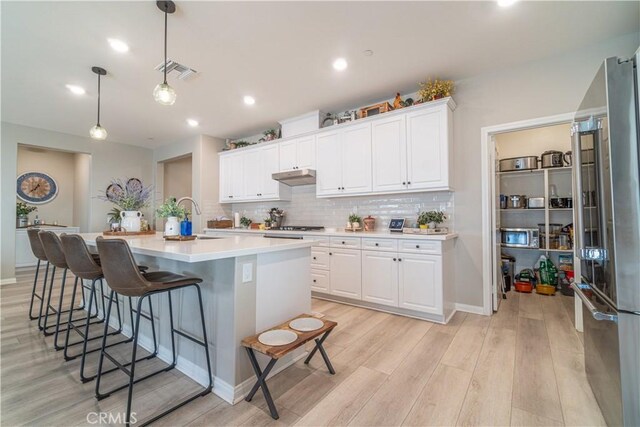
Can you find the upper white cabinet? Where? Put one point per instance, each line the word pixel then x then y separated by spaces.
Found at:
pixel 245 176
pixel 343 161
pixel 389 154
pixel 299 153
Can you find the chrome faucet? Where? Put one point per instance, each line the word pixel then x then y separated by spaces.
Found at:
pixel 195 205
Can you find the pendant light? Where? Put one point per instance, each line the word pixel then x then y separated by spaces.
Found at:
pixel 163 93
pixel 98 132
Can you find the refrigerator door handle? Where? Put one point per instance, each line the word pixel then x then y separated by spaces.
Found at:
pixel 593 254
pixel 577 179
pixel 598 315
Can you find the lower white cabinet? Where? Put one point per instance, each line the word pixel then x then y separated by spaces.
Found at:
pixel 380 277
pixel 420 283
pixel 320 281
pixel 346 273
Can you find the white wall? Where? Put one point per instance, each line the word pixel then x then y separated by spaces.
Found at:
pixel 547 87
pixel 534 142
pixel 108 160
pixel 60 166
pixel 82 197
pixel 177 178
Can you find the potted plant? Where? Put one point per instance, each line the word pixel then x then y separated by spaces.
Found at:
pixel 173 213
pixel 22 213
pixel 435 89
pixel 129 197
pixel 270 135
pixel 354 220
pixel 245 222
pixel 431 219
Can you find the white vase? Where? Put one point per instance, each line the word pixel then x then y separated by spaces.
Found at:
pixel 172 226
pixel 130 220
pixel 433 225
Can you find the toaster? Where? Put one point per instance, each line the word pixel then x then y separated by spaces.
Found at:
pixel 535 203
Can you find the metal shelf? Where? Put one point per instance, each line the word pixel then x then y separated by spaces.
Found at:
pixel 531 171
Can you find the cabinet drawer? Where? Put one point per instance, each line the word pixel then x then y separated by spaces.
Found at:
pixel 389 245
pixel 320 240
pixel 320 281
pixel 320 258
pixel 345 242
pixel 420 246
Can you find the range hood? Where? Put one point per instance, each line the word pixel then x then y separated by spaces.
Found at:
pixel 296 177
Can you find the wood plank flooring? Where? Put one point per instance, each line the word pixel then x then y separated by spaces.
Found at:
pixel 524 366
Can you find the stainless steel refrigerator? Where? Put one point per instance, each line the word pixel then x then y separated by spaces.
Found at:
pixel 606 155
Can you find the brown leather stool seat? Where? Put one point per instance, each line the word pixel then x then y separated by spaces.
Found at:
pixel 38 252
pixel 119 268
pixel 55 254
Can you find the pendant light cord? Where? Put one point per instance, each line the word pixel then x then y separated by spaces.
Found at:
pixel 165 44
pixel 98 100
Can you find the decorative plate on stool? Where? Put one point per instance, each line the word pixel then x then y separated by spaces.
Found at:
pixel 306 324
pixel 277 337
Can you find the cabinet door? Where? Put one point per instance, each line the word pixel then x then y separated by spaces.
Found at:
pixel 269 161
pixel 320 281
pixel 236 175
pixel 346 273
pixel 252 178
pixel 420 283
pixel 306 152
pixel 380 277
pixel 328 164
pixel 356 159
pixel 389 154
pixel 427 149
pixel 288 155
pixel 225 179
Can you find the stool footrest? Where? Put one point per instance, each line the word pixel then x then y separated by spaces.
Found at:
pixel 190 337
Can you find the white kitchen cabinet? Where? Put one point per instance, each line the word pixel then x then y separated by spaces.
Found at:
pixel 299 153
pixel 380 277
pixel 231 178
pixel 24 254
pixel 389 154
pixel 346 273
pixel 420 283
pixel 269 164
pixel 329 164
pixel 252 178
pixel 320 281
pixel 428 159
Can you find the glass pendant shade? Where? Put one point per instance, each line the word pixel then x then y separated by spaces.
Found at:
pixel 98 132
pixel 164 94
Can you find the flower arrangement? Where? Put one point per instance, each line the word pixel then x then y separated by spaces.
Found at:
pixel 171 208
pixel 22 209
pixel 114 215
pixel 435 89
pixel 245 222
pixel 436 217
pixel 129 196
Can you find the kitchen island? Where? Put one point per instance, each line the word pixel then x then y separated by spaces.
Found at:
pixel 249 284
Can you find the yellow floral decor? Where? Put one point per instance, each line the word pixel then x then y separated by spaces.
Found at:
pixel 435 89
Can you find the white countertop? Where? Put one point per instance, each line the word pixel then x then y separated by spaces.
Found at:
pixel 203 249
pixel 338 232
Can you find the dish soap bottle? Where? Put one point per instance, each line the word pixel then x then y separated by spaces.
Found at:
pixel 186 227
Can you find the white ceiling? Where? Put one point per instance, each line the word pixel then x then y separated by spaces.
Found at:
pixel 279 52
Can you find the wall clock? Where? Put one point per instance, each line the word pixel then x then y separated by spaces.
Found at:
pixel 36 188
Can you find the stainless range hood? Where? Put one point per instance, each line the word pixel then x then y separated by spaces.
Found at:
pixel 296 177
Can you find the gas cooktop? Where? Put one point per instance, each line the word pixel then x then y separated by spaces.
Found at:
pixel 299 228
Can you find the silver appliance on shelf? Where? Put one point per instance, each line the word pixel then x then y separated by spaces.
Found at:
pixel 519 163
pixel 520 237
pixel 606 155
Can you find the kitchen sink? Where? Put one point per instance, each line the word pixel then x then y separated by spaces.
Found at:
pixel 209 238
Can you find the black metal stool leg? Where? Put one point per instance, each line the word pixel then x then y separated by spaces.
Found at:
pixel 319 346
pixel 48 304
pixel 43 294
pixel 33 293
pixel 75 286
pixel 132 370
pixel 70 322
pixel 102 348
pixel 206 346
pixel 261 383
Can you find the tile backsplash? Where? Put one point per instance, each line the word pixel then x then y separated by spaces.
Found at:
pixel 305 209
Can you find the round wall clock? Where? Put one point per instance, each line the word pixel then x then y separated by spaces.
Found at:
pixel 36 188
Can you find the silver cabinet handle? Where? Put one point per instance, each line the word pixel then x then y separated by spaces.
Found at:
pixel 598 315
pixel 594 254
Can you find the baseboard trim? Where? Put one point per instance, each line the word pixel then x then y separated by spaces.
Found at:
pixel 474 309
pixel 10 281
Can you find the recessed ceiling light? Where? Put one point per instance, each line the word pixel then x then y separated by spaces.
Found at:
pixel 76 90
pixel 249 100
pixel 506 3
pixel 192 122
pixel 118 45
pixel 340 64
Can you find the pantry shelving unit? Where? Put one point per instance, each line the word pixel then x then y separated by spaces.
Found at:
pixel 536 183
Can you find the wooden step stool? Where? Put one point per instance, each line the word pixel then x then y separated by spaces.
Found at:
pixel 276 352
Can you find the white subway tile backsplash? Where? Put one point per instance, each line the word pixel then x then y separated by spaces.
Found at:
pixel 305 209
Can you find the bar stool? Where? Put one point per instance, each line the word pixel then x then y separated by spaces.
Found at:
pixel 84 265
pixel 53 249
pixel 119 268
pixel 38 252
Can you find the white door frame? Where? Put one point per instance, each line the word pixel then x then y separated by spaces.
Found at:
pixel 487 151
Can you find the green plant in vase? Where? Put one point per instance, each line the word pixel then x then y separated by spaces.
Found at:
pixel 245 222
pixel 355 221
pixel 431 219
pixel 22 213
pixel 170 208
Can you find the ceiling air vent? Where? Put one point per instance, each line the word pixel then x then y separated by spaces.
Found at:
pixel 177 70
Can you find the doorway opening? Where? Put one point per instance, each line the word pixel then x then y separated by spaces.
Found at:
pixel 174 179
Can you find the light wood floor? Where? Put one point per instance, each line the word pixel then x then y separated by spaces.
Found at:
pixel 523 366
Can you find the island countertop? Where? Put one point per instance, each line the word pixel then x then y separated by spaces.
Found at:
pixel 336 232
pixel 205 249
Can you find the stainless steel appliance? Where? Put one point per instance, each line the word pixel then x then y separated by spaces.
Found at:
pixel 520 237
pixel 552 159
pixel 535 203
pixel 607 237
pixel 519 163
pixel 516 201
pixel 296 177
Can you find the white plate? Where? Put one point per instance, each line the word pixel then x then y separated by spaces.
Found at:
pixel 277 337
pixel 306 324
